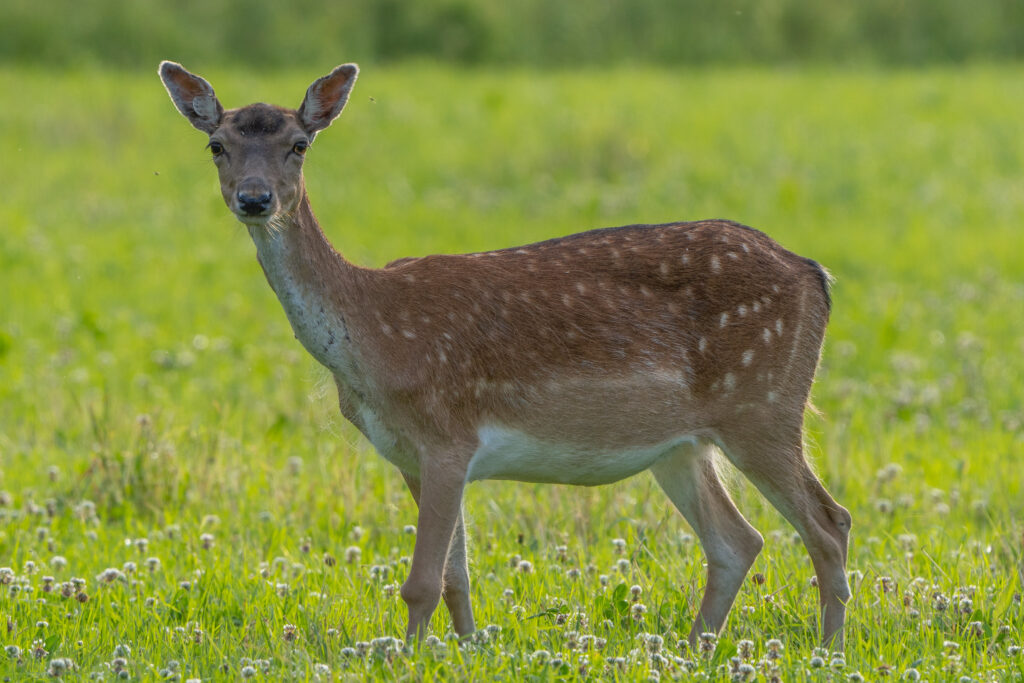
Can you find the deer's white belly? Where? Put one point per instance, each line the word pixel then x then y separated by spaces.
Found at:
pixel 505 453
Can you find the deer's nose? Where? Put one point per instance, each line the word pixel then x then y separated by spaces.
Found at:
pixel 254 202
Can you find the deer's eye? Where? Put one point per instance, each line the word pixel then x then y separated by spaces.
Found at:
pixel 300 147
pixel 216 149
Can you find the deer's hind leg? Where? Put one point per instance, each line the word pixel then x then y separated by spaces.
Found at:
pixel 688 477
pixel 774 461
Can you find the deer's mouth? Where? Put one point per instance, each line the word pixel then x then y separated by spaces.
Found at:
pixel 270 224
pixel 253 221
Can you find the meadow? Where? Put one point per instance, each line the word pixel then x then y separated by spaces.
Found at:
pixel 180 500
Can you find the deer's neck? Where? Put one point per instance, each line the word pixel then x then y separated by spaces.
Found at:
pixel 313 282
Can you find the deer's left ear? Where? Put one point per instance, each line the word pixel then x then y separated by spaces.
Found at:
pixel 192 95
pixel 327 97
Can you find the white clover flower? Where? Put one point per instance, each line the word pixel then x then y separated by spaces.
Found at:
pixel 110 575
pixel 60 666
pixel 744 672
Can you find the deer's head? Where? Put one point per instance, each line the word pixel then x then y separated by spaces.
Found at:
pixel 259 149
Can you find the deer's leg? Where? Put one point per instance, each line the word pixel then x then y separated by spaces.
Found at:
pixel 456 582
pixel 730 544
pixel 455 590
pixel 439 495
pixel 776 465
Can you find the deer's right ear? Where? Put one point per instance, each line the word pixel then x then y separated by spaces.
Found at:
pixel 192 95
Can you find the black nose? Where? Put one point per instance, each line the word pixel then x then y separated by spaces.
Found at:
pixel 254 204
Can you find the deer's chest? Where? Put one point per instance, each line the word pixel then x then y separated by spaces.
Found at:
pixel 385 440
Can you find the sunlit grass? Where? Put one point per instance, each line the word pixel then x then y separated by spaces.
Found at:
pixel 164 438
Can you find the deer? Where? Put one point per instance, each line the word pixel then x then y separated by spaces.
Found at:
pixel 579 360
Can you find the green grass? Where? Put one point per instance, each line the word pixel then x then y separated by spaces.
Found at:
pixel 146 367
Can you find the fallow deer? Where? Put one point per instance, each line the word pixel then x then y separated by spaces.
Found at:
pixel 579 360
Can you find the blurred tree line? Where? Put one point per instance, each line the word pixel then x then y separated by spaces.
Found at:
pixel 136 33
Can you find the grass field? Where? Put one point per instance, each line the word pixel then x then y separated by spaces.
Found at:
pixel 180 499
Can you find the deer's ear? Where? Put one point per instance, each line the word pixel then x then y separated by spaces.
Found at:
pixel 327 97
pixel 193 96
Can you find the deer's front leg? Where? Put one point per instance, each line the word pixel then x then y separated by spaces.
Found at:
pixel 456 582
pixel 440 502
pixel 455 589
